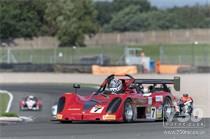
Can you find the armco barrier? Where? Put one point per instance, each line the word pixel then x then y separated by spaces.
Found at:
pixel 33 68
pixel 69 68
pixel 27 67
pixel 173 69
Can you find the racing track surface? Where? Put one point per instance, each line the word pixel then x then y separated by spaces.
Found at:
pixel 43 128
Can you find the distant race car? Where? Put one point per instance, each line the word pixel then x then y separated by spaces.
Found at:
pixel 30 103
pixel 122 99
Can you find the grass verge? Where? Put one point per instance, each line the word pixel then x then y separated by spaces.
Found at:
pixel 9 114
pixel 4 99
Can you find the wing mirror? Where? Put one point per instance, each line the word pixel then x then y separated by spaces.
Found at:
pixel 76 86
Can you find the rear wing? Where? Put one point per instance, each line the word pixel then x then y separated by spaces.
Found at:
pixel 175 82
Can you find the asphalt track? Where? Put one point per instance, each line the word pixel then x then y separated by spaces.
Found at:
pixel 44 128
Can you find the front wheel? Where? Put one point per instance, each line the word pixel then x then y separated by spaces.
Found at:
pixel 128 113
pixel 20 108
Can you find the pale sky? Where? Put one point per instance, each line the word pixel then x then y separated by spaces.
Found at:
pixel 172 3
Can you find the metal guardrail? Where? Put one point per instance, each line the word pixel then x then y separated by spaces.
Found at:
pixel 27 67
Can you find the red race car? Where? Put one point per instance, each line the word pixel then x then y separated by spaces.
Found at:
pixel 122 99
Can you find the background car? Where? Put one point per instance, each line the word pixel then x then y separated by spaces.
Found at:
pixel 30 103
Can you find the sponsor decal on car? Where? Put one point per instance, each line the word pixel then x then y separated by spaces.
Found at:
pixel 159 98
pixel 109 117
pixel 140 101
pixel 159 112
pixel 74 109
pixel 149 100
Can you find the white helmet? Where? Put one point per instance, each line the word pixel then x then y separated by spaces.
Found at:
pixel 146 90
pixel 115 85
pixel 30 98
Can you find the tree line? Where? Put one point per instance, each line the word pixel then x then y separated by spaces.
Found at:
pixel 139 15
pixel 71 20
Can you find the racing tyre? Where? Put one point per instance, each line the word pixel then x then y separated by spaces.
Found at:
pixel 40 108
pixel 168 109
pixel 128 113
pixel 20 109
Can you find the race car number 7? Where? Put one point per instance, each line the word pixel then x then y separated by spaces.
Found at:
pixel 153 113
pixel 96 109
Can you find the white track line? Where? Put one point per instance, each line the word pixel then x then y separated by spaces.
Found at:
pixel 10 99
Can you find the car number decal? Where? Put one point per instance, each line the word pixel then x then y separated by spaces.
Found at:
pixel 97 109
pixel 153 112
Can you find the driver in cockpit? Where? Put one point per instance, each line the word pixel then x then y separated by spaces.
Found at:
pixel 115 86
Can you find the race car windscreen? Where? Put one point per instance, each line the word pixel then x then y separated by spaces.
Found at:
pixel 61 104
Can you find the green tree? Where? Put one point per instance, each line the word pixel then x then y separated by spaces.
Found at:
pixel 104 12
pixel 21 19
pixel 127 17
pixel 132 18
pixel 8 20
pixel 144 5
pixel 122 20
pixel 71 20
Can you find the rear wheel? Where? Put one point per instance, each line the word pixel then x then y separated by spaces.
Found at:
pixel 39 108
pixel 168 109
pixel 128 113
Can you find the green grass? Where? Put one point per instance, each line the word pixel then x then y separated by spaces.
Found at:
pixel 116 53
pixel 4 99
pixel 9 114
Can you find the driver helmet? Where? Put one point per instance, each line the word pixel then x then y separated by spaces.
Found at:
pixel 115 85
pixel 30 98
pixel 185 95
